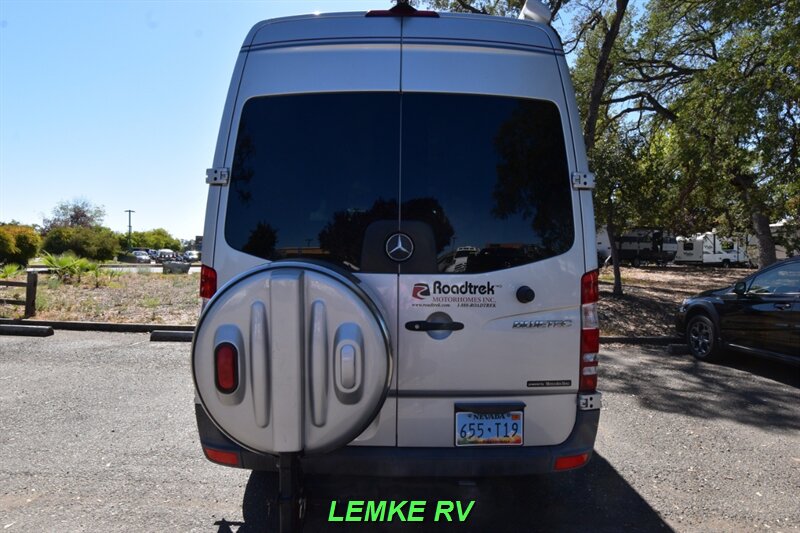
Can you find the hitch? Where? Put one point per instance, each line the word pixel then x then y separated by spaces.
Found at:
pixel 291 497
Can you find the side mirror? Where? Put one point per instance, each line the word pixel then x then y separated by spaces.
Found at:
pixel 740 288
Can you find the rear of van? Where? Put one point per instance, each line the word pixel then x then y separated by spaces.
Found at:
pixel 432 166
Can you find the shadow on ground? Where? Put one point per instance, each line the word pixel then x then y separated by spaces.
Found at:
pixel 743 388
pixel 595 498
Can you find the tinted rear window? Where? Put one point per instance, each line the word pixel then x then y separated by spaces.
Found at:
pixel 314 173
pixel 497 168
pixel 306 170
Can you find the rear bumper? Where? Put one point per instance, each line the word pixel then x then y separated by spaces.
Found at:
pixel 394 461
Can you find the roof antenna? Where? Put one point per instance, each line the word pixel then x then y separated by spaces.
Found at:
pixel 536 11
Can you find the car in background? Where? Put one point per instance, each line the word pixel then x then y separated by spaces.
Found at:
pixel 165 254
pixel 141 256
pixel 759 315
pixel 191 256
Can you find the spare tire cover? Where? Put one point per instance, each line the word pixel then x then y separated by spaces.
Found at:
pixel 313 358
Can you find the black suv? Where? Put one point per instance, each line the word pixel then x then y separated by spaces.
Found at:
pixel 758 315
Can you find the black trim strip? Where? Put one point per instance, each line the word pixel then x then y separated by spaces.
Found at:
pixel 476 394
pixel 489 408
pixel 482 43
pixel 321 41
pixel 503 45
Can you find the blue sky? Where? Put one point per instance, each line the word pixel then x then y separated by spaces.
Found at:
pixel 119 102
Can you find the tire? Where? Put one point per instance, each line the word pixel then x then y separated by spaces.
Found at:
pixel 701 337
pixel 726 263
pixel 636 262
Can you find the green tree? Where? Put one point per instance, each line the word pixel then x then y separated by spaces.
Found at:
pixel 154 239
pixel 79 212
pixel 723 79
pixel 18 243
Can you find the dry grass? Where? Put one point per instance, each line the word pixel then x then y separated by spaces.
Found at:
pixel 652 294
pixel 133 297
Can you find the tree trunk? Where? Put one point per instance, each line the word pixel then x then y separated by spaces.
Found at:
pixel 612 237
pixel 602 73
pixel 746 185
pixel 766 244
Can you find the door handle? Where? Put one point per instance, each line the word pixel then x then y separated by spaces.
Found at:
pixel 424 325
pixel 783 306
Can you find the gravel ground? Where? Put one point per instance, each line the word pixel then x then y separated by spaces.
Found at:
pixel 97 434
pixel 711 447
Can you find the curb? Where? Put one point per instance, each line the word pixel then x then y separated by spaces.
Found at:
pixel 96 326
pixel 657 341
pixel 27 331
pixel 162 335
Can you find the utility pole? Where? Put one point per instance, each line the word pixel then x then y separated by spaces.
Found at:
pixel 129 211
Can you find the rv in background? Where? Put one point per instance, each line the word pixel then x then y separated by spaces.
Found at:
pixel 638 246
pixel 709 249
pixel 787 240
pixel 787 237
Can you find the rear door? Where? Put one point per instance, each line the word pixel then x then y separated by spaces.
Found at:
pixel 314 156
pixel 485 170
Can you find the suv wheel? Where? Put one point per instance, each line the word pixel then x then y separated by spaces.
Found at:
pixel 701 336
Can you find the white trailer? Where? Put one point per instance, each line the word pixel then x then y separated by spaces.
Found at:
pixel 710 249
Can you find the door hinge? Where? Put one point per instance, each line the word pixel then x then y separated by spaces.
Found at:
pixel 217 176
pixel 582 180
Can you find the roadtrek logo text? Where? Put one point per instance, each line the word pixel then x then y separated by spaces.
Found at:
pixel 421 290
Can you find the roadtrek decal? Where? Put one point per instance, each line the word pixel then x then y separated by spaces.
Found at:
pixel 460 294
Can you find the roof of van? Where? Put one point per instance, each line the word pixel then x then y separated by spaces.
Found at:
pixel 447 28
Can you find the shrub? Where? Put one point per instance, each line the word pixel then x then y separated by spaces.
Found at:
pixel 18 244
pixel 10 270
pixel 67 267
pixel 96 243
pixel 7 245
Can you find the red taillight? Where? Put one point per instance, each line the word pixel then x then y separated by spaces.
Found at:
pixel 571 461
pixel 226 367
pixel 590 332
pixel 208 281
pixel 590 341
pixel 590 288
pixel 222 457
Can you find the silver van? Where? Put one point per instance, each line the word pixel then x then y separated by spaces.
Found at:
pixel 358 154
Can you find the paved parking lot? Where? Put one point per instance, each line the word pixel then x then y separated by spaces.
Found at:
pixel 97 434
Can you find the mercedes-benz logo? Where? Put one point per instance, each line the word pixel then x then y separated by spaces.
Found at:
pixel 399 247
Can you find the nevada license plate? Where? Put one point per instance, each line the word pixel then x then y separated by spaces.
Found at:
pixel 489 429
